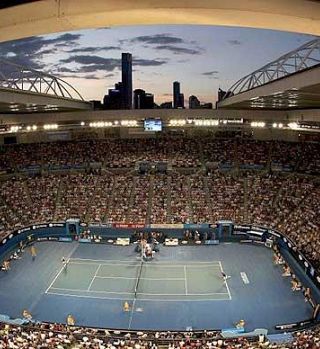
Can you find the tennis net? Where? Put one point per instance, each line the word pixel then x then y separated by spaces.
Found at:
pixel 138 280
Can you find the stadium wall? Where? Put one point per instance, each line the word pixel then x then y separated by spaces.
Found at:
pixel 127 133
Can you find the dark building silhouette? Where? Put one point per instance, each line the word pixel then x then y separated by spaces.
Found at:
pixel 181 101
pixel 176 94
pixel 206 106
pixel 97 105
pixel 121 96
pixel 178 97
pixel 143 100
pixel 194 102
pixel 166 105
pixel 126 80
pixel 114 99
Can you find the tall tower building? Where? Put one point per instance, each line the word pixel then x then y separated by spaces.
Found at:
pixel 176 94
pixel 126 80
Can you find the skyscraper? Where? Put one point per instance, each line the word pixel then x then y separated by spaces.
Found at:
pixel 176 94
pixel 181 101
pixel 113 100
pixel 127 80
pixel 143 100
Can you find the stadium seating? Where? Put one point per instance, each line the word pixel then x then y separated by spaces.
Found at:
pixel 63 337
pixel 269 183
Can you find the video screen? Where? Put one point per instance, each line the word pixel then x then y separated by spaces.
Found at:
pixel 153 125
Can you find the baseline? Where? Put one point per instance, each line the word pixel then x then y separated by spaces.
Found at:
pixel 140 299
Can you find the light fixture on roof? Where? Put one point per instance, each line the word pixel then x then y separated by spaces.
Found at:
pixel 258 124
pixel 293 125
pixel 177 122
pixel 50 126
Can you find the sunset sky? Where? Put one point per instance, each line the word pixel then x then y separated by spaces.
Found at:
pixel 202 58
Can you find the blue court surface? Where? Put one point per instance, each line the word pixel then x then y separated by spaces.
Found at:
pixel 182 287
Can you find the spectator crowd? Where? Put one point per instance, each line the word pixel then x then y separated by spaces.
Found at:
pixel 275 184
pixel 58 336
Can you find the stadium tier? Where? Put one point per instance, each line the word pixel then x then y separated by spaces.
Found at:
pixel 179 152
pixel 62 337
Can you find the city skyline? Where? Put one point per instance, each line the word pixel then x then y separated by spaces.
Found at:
pixel 201 58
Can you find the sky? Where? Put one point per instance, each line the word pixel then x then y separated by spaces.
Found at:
pixel 201 58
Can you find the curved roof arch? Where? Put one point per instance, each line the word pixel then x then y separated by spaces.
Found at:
pixel 302 58
pixel 17 77
pixel 49 16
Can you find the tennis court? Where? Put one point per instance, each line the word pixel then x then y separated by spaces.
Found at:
pixel 129 280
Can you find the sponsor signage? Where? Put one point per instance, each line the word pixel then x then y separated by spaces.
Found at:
pixel 128 225
pixel 97 225
pixel 255 233
pixel 293 325
pixel 242 227
pixel 24 230
pixel 253 228
pixel 39 226
pixel 167 226
pixel 195 226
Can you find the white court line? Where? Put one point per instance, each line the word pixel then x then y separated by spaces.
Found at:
pixel 151 265
pixel 68 259
pixel 180 294
pixel 90 291
pixel 106 264
pixel 53 281
pixel 226 283
pixel 141 293
pixel 153 262
pixel 140 299
pixel 134 278
pixel 94 276
pixel 132 310
pixel 185 280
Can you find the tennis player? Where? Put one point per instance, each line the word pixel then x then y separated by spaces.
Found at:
pixel 126 306
pixel 64 263
pixel 33 252
pixel 225 276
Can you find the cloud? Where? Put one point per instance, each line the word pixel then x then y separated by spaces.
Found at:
pixel 93 63
pixel 102 28
pixel 48 51
pixel 80 75
pixel 177 50
pixel 157 39
pixel 148 62
pixel 93 49
pixel 65 70
pixel 166 42
pixel 65 39
pixel 28 52
pixel 210 73
pixel 92 77
pixel 234 42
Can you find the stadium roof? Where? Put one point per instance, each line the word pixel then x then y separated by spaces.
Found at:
pixel 290 82
pixel 51 16
pixel 25 90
